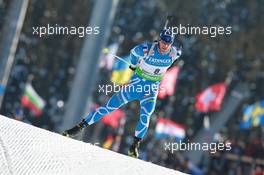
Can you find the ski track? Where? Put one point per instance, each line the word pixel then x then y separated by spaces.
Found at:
pixel 32 150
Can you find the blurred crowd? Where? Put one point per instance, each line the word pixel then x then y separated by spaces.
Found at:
pixel 52 61
pixel 3 12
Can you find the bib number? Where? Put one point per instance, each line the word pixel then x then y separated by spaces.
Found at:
pixel 156 71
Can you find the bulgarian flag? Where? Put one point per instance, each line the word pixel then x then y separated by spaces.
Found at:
pixel 32 100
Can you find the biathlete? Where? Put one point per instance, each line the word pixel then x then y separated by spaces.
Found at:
pixel 149 61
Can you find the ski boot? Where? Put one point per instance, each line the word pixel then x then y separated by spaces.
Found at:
pixel 133 149
pixel 76 129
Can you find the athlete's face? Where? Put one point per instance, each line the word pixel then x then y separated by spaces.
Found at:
pixel 164 47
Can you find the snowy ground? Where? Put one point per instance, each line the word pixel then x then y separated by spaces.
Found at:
pixel 25 149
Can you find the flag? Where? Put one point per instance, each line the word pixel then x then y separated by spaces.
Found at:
pixel 121 72
pixel 211 98
pixel 253 115
pixel 107 58
pixel 113 118
pixel 168 83
pixel 32 100
pixel 167 128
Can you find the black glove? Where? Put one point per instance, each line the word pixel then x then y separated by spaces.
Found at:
pixel 132 67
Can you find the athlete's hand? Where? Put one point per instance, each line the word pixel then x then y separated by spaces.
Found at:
pixel 132 67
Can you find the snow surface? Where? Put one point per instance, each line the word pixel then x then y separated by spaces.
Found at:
pixel 25 149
